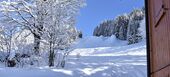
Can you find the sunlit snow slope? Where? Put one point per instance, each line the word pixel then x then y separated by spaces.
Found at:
pixel 93 57
pixel 116 60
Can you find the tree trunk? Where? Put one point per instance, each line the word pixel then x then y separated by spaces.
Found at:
pixel 37 39
pixel 51 55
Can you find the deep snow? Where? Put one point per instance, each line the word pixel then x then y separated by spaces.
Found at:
pixel 93 57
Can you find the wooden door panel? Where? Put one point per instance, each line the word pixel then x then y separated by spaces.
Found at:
pixel 162 73
pixel 157 6
pixel 161 55
pixel 159 20
pixel 158 11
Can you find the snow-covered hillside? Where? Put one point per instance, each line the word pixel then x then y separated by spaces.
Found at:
pixel 93 57
pixel 93 42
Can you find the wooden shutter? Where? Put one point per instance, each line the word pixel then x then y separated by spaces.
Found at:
pixel 159 11
pixel 159 23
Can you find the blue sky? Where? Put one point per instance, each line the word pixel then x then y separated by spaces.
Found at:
pixel 97 11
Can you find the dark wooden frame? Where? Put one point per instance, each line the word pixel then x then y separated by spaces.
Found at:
pixel 148 39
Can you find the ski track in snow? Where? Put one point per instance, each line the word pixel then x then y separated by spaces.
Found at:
pixel 117 61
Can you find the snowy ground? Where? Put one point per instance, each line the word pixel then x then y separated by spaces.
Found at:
pixel 92 59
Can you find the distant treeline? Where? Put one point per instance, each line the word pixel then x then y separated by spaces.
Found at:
pixel 124 27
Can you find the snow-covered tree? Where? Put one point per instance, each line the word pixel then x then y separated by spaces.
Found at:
pixel 133 34
pixel 60 31
pixel 49 20
pixel 106 28
pixel 121 23
pixel 124 27
pixel 26 13
pixel 6 43
pixel 32 14
pixel 80 34
pixel 142 29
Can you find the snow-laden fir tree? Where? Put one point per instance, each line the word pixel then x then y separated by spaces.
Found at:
pixel 133 34
pixel 121 24
pixel 124 27
pixel 105 28
pixel 80 34
pixel 117 27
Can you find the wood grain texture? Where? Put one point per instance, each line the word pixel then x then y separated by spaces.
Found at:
pixel 159 24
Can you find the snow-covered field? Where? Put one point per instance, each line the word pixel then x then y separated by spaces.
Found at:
pixel 93 57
